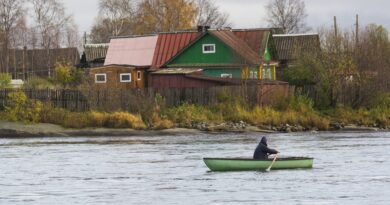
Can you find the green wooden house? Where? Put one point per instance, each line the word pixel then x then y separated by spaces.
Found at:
pixel 239 54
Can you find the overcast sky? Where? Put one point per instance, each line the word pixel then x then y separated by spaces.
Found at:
pixel 251 13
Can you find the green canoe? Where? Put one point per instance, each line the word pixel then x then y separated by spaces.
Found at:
pixel 240 164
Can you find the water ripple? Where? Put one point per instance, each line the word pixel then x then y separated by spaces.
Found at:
pixel 349 168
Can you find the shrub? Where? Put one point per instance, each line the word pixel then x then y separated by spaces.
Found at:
pixel 63 74
pixel 188 113
pixel 159 123
pixel 38 83
pixel 77 120
pixel 347 115
pixel 300 103
pixel 53 115
pixel 91 119
pixel 98 119
pixel 124 120
pixel 20 108
pixel 5 80
pixel 67 75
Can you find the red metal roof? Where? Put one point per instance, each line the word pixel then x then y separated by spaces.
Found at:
pixel 169 44
pixel 238 45
pixel 255 38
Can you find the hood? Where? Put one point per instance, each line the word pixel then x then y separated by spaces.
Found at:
pixel 264 141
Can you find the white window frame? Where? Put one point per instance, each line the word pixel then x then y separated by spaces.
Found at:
pixel 251 74
pixel 267 73
pixel 124 81
pixel 205 45
pixel 139 75
pixel 226 75
pixel 100 74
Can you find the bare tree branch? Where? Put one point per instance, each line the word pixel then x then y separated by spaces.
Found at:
pixel 289 15
pixel 10 13
pixel 51 22
pixel 209 14
pixel 116 17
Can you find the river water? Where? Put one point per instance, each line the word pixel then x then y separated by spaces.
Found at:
pixel 349 168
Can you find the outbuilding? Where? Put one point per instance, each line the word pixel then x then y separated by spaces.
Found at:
pixel 118 77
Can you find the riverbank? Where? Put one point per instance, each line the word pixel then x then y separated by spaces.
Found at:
pixel 22 130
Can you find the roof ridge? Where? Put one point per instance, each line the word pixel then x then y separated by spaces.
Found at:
pixel 134 36
pixel 253 29
pixel 296 34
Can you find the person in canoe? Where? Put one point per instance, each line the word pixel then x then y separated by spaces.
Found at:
pixel 262 151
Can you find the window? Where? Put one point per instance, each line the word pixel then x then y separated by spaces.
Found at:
pixel 101 78
pixel 125 77
pixel 256 75
pixel 251 75
pixel 208 48
pixel 226 75
pixel 267 73
pixel 139 75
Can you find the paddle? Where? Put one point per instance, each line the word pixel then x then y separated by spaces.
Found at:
pixel 273 162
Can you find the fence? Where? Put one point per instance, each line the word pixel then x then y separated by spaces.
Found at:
pixel 142 99
pixel 73 100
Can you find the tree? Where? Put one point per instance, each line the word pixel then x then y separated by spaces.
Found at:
pixel 10 13
pixel 116 17
pixel 63 74
pixel 71 35
pixel 51 22
pixel 346 71
pixel 208 14
pixel 67 75
pixel 127 17
pixel 20 34
pixel 119 12
pixel 290 15
pixel 165 15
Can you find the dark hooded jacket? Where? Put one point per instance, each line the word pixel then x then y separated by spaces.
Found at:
pixel 262 151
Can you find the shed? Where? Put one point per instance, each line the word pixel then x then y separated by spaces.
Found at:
pixel 291 47
pixel 95 54
pixel 118 77
pixel 30 62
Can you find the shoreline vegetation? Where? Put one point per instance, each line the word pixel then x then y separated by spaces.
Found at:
pixel 23 117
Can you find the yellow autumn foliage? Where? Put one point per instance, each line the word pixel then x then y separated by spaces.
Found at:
pixel 165 15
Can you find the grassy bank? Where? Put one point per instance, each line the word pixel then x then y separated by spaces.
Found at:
pixel 295 112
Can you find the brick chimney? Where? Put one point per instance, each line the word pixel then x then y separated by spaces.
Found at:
pixel 203 29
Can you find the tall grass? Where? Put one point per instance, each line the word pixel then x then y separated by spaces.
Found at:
pixel 91 119
pixel 186 114
pixel 295 111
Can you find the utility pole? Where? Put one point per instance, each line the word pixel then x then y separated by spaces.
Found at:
pixel 335 26
pixel 85 38
pixel 357 29
pixel 48 56
pixel 336 36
